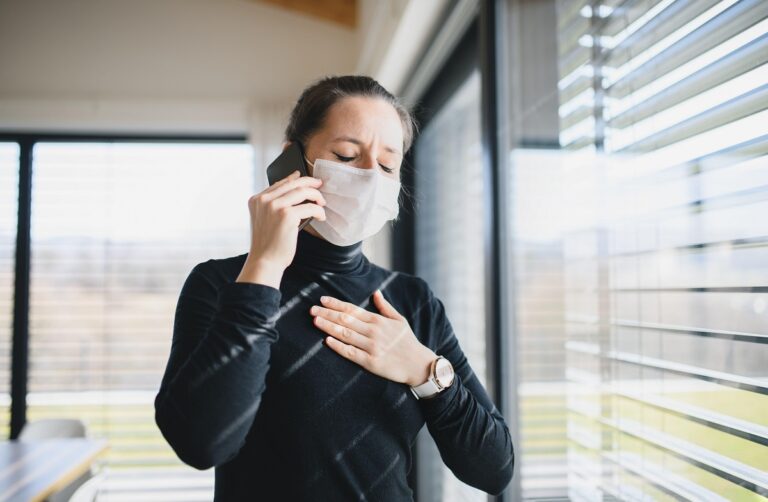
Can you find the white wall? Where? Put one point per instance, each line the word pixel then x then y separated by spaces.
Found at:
pixel 392 36
pixel 157 65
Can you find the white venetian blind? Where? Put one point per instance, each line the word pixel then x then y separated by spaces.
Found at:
pixel 116 229
pixel 449 245
pixel 664 108
pixel 9 200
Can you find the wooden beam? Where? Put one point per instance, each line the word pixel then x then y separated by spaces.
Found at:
pixel 343 12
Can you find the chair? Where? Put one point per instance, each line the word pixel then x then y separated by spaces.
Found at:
pixel 57 428
pixel 88 491
pixel 52 428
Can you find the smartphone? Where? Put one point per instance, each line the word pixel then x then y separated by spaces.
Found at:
pixel 290 160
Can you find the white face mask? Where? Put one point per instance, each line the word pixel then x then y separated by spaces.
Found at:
pixel 358 201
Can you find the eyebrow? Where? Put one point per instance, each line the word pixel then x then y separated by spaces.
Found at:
pixel 358 142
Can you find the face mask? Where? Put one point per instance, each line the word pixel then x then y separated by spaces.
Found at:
pixel 358 201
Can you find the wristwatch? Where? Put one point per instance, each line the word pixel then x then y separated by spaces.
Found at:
pixel 440 378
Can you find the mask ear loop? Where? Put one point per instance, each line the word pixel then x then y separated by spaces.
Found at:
pixel 306 222
pixel 301 147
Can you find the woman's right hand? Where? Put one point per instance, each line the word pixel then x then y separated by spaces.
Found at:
pixel 275 216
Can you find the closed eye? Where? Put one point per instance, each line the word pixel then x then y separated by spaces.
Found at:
pixel 348 159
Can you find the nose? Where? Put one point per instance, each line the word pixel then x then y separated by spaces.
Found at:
pixel 369 161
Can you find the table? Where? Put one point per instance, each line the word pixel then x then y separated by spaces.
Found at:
pixel 30 471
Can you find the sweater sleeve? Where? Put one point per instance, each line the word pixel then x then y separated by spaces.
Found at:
pixel 469 431
pixel 215 375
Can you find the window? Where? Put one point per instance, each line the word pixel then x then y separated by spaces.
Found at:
pixel 664 115
pixel 9 197
pixel 116 228
pixel 449 244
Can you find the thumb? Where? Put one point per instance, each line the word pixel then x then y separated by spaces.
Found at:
pixel 384 306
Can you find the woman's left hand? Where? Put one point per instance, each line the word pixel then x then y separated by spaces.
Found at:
pixel 383 344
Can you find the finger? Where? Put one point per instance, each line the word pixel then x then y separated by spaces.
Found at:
pixel 343 333
pixel 343 319
pixel 384 306
pixel 307 210
pixel 293 197
pixel 295 174
pixel 350 308
pixel 348 351
pixel 290 184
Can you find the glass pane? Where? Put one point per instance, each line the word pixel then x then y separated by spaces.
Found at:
pixel 116 228
pixel 638 182
pixel 663 112
pixel 9 205
pixel 535 215
pixel 449 240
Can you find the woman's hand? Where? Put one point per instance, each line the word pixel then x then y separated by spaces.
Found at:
pixel 383 344
pixel 275 216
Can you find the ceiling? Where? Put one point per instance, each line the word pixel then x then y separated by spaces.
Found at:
pixel 169 49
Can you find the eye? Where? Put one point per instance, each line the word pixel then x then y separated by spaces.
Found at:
pixel 343 159
pixel 387 170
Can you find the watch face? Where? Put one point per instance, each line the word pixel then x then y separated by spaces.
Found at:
pixel 444 372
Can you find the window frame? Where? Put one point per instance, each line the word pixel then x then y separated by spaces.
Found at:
pixel 482 46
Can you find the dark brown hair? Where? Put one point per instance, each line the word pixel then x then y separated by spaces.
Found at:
pixel 311 109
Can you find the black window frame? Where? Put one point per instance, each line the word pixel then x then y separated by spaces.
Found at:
pixel 482 47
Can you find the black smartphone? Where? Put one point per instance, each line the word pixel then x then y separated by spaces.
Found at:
pixel 287 162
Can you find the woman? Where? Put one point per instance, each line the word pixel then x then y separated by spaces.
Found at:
pixel 292 396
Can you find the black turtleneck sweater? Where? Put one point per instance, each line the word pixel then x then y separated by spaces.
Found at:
pixel 252 389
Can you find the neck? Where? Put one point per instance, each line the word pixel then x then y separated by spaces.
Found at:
pixel 314 252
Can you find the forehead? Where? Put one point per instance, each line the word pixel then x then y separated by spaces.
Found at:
pixel 364 118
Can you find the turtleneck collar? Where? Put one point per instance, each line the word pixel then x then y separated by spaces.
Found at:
pixel 325 256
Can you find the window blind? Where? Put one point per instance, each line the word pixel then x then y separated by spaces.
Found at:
pixel 664 113
pixel 535 214
pixel 9 201
pixel 116 229
pixel 449 247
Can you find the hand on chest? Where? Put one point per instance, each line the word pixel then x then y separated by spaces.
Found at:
pixel 332 346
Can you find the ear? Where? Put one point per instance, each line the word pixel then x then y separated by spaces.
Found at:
pixel 286 144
